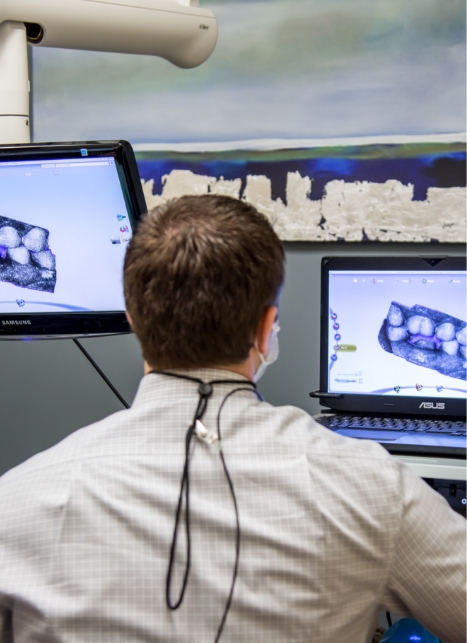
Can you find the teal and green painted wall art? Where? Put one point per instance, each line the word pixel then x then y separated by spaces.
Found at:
pixel 338 119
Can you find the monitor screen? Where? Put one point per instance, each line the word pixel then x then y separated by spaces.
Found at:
pixel 397 333
pixel 66 217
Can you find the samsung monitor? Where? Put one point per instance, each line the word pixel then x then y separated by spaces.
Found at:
pixel 67 213
pixel 393 335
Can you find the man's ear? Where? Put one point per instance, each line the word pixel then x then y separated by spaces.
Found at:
pixel 129 318
pixel 265 328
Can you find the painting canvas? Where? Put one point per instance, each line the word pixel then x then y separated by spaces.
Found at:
pixel 411 192
pixel 338 120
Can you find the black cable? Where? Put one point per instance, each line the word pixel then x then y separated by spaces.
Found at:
pixel 185 485
pixel 101 373
pixel 205 390
pixel 237 518
pixel 388 616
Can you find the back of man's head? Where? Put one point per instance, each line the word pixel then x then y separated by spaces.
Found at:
pixel 200 273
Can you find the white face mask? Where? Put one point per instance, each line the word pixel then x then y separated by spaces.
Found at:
pixel 271 355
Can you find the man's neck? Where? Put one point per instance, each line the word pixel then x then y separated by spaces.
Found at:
pixel 246 368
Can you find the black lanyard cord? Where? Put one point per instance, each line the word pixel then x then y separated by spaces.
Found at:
pixel 237 518
pixel 205 391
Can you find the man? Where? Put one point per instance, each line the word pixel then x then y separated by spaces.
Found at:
pixel 202 512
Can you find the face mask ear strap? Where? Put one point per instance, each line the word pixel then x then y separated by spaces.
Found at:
pixel 261 356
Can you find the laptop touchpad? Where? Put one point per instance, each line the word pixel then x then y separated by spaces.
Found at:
pixel 379 436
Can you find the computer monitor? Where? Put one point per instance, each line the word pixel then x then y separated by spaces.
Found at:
pixel 67 213
pixel 394 334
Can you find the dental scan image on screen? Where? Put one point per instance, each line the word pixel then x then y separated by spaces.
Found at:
pixel 398 333
pixel 64 227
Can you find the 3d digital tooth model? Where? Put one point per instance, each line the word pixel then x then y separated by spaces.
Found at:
pixel 9 237
pixel 25 257
pixel 20 255
pixel 426 337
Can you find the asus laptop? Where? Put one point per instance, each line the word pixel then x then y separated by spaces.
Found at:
pixel 394 352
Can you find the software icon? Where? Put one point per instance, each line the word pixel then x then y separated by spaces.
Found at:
pixel 120 217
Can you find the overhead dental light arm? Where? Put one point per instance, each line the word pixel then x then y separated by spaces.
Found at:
pixel 177 30
pixel 14 84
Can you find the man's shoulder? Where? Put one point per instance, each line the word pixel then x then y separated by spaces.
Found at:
pixel 74 446
pixel 288 431
pixel 330 471
pixel 298 425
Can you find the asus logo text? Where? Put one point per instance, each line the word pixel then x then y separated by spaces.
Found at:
pixel 430 405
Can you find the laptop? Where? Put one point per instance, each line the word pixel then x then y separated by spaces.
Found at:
pixel 394 352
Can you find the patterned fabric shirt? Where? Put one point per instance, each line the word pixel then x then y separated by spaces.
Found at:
pixel 332 529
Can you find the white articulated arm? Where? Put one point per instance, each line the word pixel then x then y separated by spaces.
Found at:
pixel 14 84
pixel 177 30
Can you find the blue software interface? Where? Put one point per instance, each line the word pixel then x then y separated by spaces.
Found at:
pixel 397 333
pixel 64 227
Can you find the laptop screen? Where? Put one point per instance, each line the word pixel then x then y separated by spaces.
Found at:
pixel 397 333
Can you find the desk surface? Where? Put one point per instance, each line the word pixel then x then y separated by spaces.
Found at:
pixel 440 468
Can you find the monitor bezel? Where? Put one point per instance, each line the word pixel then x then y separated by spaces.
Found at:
pixel 59 325
pixel 376 404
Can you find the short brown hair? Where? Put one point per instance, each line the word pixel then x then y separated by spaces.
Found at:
pixel 199 274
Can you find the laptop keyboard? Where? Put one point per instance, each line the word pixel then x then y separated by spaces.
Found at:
pixel 450 427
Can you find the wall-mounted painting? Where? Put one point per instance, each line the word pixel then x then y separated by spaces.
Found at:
pixel 377 192
pixel 338 119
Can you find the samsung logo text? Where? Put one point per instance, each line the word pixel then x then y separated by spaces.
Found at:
pixel 22 322
pixel 430 405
